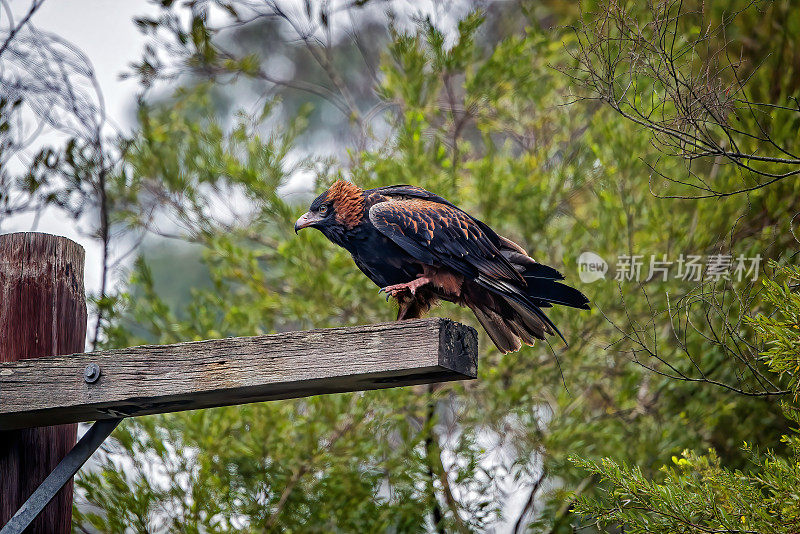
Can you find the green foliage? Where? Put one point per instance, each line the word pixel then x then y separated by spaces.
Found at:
pixel 218 470
pixel 699 494
pixel 781 329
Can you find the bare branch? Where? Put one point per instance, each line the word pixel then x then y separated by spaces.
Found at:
pixel 685 88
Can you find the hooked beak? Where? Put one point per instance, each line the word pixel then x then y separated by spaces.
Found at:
pixel 307 219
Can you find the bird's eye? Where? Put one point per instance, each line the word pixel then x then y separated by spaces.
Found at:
pixel 323 209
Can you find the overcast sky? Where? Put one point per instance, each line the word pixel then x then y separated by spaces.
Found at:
pixel 104 31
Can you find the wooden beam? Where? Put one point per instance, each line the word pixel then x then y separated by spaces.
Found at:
pixel 185 376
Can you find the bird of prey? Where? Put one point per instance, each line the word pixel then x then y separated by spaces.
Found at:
pixel 419 248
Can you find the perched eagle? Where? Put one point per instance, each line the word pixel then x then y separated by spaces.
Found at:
pixel 420 248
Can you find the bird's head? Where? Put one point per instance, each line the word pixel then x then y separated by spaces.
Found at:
pixel 335 211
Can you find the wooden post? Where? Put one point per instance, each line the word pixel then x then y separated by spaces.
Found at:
pixel 42 313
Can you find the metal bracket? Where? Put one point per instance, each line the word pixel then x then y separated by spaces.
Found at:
pixel 63 472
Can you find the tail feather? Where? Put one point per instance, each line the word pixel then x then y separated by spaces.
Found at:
pixel 528 268
pixel 499 332
pixel 524 264
pixel 513 324
pixel 550 291
pixel 513 314
pixel 542 287
pixel 522 331
pixel 525 308
pixel 532 320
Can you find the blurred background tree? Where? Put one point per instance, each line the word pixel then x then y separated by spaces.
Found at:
pixel 567 130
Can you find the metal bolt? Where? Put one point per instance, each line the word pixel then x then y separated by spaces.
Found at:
pixel 91 373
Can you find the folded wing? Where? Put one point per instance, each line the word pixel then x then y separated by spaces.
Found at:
pixel 506 289
pixel 440 234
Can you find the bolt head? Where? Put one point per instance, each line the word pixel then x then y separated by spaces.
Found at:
pixel 91 373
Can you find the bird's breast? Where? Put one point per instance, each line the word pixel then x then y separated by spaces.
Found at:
pixel 381 259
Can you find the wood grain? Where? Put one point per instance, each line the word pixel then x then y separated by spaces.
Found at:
pixel 185 376
pixel 42 313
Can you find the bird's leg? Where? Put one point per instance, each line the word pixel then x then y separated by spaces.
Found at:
pixel 411 287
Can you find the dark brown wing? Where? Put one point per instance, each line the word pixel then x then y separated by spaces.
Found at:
pixel 541 280
pixel 408 192
pixel 441 234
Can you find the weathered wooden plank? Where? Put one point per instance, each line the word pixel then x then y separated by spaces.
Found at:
pixel 42 314
pixel 167 378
